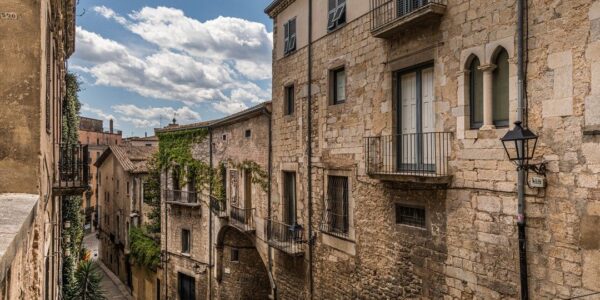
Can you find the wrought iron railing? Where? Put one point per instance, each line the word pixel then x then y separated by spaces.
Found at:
pixel 419 154
pixel 73 166
pixel 218 206
pixel 183 197
pixel 384 12
pixel 242 217
pixel 285 237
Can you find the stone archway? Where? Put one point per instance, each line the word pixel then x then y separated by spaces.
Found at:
pixel 241 273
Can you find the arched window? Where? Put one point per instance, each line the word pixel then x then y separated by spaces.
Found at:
pixel 500 90
pixel 475 94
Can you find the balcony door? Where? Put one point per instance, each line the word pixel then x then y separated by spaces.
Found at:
pixel 407 6
pixel 415 142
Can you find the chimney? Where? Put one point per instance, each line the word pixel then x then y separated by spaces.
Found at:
pixel 110 125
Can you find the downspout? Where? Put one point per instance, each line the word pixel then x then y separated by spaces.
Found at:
pixel 269 210
pixel 521 111
pixel 210 216
pixel 309 150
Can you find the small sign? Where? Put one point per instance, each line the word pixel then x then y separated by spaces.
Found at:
pixel 537 181
pixel 7 15
pixel 226 270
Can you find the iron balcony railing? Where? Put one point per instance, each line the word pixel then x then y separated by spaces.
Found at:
pixel 384 12
pixel 418 154
pixel 218 206
pixel 183 197
pixel 73 167
pixel 242 218
pixel 285 237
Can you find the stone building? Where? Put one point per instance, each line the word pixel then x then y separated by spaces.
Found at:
pixel 389 113
pixel 213 235
pixel 122 172
pixel 37 37
pixel 92 134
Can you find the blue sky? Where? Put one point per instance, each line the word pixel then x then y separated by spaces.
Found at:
pixel 143 62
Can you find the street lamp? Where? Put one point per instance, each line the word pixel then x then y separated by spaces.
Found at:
pixel 519 144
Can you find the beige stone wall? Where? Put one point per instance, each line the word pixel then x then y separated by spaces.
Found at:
pixel 469 249
pixel 30 98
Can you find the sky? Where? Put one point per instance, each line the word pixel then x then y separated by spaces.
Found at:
pixel 142 63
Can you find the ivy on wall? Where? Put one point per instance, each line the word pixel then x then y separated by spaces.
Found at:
pixel 145 250
pixel 72 237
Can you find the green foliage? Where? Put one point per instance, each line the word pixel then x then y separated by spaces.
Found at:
pixel 175 149
pixel 145 250
pixel 71 205
pixel 152 195
pixel 259 175
pixel 87 283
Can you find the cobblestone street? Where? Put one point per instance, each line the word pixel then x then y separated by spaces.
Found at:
pixel 113 288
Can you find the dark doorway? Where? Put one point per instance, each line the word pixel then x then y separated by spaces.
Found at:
pixel 186 286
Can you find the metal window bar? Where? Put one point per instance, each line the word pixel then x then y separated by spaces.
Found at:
pixel 218 206
pixel 242 217
pixel 417 154
pixel 411 216
pixel 285 237
pixel 73 166
pixel 184 197
pixel 384 12
pixel 335 219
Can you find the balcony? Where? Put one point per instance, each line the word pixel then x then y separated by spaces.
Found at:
pixel 287 238
pixel 183 198
pixel 218 207
pixel 419 158
pixel 242 218
pixel 73 170
pixel 389 17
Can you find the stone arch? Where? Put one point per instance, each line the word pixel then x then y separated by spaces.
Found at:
pixel 247 276
pixel 493 48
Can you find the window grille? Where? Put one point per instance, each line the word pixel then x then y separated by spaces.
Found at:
pixel 336 218
pixel 409 215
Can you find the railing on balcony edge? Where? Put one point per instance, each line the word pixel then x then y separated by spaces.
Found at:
pixel 188 198
pixel 218 206
pixel 287 238
pixel 73 167
pixel 417 154
pixel 242 218
pixel 384 12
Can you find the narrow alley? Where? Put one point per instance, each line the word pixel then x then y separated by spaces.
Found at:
pixel 115 290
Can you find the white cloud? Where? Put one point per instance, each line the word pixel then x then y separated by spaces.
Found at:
pixel 141 117
pixel 189 61
pixel 97 112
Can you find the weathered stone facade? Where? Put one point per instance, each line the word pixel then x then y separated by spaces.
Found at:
pixel 469 247
pixel 122 174
pixel 36 38
pixel 240 151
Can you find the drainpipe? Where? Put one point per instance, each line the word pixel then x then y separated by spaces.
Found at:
pixel 521 110
pixel 269 209
pixel 210 216
pixel 309 150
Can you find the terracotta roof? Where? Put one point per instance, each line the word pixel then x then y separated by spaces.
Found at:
pixel 133 159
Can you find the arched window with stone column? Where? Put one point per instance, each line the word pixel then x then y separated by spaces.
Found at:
pixel 500 88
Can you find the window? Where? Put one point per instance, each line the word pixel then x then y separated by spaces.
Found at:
pixel 500 90
pixel 127 188
pixel 248 133
pixel 97 141
pixel 336 219
pixel 289 100
pixel 337 14
pixel 235 254
pixel 289 196
pixel 117 186
pixel 185 241
pixel 476 94
pixel 410 215
pixel 289 40
pixel 157 289
pixel 186 287
pixel 224 137
pixel 338 86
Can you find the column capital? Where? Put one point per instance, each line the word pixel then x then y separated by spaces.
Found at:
pixel 487 67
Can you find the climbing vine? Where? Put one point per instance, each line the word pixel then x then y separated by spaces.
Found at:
pixel 73 235
pixel 259 175
pixel 145 250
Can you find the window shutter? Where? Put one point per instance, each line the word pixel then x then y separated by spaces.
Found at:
pixel 340 14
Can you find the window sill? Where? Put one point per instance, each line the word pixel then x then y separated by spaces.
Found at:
pixel 337 28
pixel 345 245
